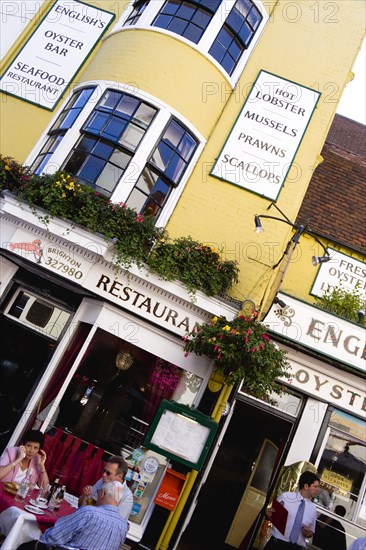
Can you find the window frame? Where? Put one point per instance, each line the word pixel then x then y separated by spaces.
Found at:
pixel 209 36
pixel 139 160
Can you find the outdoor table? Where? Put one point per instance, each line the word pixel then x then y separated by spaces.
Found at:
pixel 20 526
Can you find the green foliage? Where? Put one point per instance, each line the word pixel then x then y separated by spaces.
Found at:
pixel 241 350
pixel 196 265
pixel 136 239
pixel 342 302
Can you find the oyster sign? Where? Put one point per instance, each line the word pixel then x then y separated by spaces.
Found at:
pixel 47 63
pixel 263 142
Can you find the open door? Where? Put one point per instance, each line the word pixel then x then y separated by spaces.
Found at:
pixel 254 495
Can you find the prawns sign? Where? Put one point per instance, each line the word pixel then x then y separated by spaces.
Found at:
pixel 263 142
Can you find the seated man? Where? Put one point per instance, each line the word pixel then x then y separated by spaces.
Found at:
pixel 330 533
pixel 115 470
pixel 89 527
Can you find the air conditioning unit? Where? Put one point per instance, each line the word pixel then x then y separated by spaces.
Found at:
pixel 37 313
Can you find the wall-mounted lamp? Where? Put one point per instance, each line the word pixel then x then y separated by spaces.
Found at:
pixel 280 302
pixel 300 229
pixel 258 225
pixel 361 315
pixel 315 260
pixel 123 360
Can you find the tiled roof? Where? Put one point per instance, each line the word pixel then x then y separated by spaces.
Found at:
pixel 335 201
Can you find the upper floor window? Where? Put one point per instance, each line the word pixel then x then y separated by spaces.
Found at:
pixel 102 148
pixel 223 29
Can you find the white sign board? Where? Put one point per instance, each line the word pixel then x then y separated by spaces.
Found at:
pixel 47 63
pixel 319 330
pixel 341 271
pixel 51 255
pixel 263 142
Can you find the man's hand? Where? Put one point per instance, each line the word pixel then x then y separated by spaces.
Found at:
pixel 87 491
pixel 269 513
pixel 306 532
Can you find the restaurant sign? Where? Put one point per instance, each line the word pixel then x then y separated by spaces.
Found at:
pixel 82 267
pixel 263 142
pixel 47 63
pixel 319 330
pixel 341 271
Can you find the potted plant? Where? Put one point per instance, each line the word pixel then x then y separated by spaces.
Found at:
pixel 241 350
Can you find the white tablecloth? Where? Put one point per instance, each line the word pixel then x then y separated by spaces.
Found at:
pixel 18 526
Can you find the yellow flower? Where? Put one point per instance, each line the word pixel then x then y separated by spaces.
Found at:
pixel 227 328
pixel 214 319
pixel 7 167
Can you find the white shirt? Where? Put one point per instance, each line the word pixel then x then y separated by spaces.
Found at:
pixel 359 544
pixel 291 501
pixel 125 506
pixel 21 474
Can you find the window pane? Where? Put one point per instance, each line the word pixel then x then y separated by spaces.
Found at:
pixel 193 33
pixel 185 11
pixel 160 191
pixel 136 200
pixel 75 162
pixel 235 20
pixel 114 128
pixel 162 21
pixel 109 177
pixel 97 121
pixel 132 137
pixel 178 26
pixel 91 169
pixel 228 63
pixel 103 150
pixel 173 134
pixel 69 119
pixel 120 158
pixel 82 98
pixel 171 7
pixel 175 168
pixel 86 144
pixel 144 115
pixel 128 105
pixel 162 155
pixel 217 51
pixel 245 34
pixel 110 99
pixel 146 181
pixel 187 146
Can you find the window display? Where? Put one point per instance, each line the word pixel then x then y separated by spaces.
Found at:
pixel 342 465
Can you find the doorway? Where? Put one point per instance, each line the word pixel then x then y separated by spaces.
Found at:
pixel 241 454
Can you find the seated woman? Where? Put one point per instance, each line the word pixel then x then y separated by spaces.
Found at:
pixel 16 462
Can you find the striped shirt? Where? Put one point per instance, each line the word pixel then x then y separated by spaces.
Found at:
pixel 89 528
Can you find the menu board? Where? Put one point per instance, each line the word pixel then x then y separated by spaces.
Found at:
pixel 181 433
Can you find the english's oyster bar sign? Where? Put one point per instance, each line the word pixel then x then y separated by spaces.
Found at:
pixel 316 329
pixel 47 63
pixel 261 147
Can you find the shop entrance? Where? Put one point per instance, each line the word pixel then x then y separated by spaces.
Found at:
pixel 235 488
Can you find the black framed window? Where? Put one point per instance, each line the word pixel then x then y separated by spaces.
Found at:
pixel 236 34
pixel 188 19
pixel 223 29
pixel 138 8
pixel 63 123
pixel 109 139
pixel 164 169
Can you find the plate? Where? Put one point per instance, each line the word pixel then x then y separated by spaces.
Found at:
pixel 42 506
pixel 33 509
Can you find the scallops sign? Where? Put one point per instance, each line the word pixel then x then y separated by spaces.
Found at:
pixel 264 140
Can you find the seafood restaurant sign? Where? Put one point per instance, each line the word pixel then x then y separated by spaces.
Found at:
pixel 263 141
pixel 47 63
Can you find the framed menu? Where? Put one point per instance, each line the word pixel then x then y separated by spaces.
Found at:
pixel 181 433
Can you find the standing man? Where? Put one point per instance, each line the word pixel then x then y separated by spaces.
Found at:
pixel 91 527
pixel 301 518
pixel 114 470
